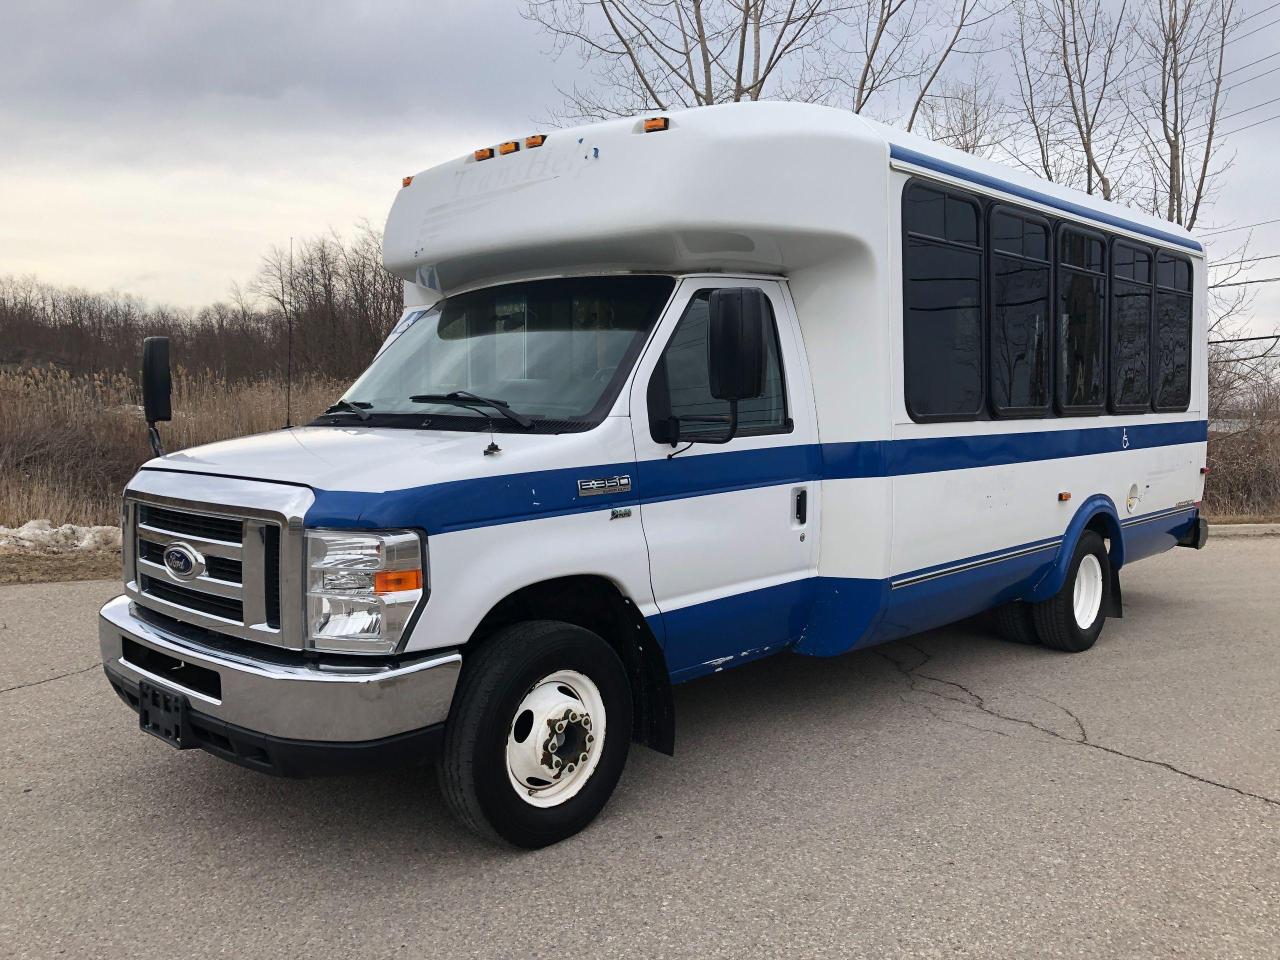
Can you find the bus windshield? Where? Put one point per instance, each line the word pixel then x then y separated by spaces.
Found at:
pixel 554 352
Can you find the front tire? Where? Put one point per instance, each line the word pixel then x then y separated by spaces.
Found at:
pixel 538 734
pixel 1072 619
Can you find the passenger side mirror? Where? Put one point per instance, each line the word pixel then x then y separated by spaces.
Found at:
pixel 735 342
pixel 157 387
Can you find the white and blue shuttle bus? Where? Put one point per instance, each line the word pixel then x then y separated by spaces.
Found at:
pixel 669 395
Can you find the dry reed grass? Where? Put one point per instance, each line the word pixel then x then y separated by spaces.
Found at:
pixel 68 444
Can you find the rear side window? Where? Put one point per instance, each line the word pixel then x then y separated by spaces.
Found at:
pixel 1171 353
pixel 942 316
pixel 1082 360
pixel 680 386
pixel 1131 297
pixel 1020 345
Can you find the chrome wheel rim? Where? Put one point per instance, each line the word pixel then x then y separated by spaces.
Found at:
pixel 1087 598
pixel 555 738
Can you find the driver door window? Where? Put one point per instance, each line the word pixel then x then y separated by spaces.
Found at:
pixel 680 383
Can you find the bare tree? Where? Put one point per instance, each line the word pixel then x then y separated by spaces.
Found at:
pixel 1181 50
pixel 663 54
pixel 967 114
pixel 666 54
pixel 1071 61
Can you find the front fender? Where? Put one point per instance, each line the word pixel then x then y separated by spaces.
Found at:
pixel 1097 506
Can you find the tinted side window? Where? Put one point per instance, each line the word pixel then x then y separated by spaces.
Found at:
pixel 680 384
pixel 942 321
pixel 1130 329
pixel 1082 386
pixel 1171 353
pixel 1020 345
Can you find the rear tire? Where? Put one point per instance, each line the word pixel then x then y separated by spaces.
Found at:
pixel 1015 622
pixel 532 684
pixel 1072 619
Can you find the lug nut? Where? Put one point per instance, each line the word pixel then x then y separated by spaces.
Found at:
pixel 582 758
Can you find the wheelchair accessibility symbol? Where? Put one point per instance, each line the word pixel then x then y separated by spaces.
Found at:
pixel 1124 438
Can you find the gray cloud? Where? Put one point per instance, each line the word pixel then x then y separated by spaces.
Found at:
pixel 293 64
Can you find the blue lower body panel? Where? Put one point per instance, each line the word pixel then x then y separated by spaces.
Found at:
pixel 1147 536
pixel 826 616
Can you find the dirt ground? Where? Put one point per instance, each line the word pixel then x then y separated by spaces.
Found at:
pixel 33 567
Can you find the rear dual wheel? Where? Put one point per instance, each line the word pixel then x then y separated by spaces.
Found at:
pixel 1072 618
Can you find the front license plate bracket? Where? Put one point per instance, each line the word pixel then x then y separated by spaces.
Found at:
pixel 163 714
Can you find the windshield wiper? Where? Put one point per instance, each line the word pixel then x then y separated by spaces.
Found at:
pixel 461 398
pixel 347 406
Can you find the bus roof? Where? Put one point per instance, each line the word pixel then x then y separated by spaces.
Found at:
pixel 755 187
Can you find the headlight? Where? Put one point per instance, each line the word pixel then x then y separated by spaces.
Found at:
pixel 362 588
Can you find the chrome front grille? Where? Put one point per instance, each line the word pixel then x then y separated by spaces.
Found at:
pixel 251 564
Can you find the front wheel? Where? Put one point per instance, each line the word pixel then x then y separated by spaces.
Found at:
pixel 1072 619
pixel 538 734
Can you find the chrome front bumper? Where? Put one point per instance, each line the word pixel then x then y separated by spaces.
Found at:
pixel 317 702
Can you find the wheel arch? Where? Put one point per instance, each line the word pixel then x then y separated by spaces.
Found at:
pixel 1097 513
pixel 598 604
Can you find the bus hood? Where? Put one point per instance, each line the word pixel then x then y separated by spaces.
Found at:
pixel 380 459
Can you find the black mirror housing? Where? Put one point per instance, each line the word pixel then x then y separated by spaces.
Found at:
pixel 157 384
pixel 735 342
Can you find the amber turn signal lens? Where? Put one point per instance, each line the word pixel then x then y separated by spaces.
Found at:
pixel 537 140
pixel 656 123
pixel 511 146
pixel 391 581
pixel 406 181
pixel 1064 496
pixel 484 153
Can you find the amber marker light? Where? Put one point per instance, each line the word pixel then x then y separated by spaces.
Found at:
pixel 537 140
pixel 484 153
pixel 393 581
pixel 511 146
pixel 1064 496
pixel 406 181
pixel 654 124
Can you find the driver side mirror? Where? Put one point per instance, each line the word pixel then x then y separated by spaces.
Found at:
pixel 735 342
pixel 738 321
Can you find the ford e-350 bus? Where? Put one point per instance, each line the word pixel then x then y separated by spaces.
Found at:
pixel 670 394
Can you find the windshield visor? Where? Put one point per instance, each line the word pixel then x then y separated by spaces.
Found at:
pixel 555 351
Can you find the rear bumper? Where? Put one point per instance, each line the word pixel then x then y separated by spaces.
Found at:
pixel 279 712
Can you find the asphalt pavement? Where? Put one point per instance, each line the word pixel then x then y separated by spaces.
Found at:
pixel 950 796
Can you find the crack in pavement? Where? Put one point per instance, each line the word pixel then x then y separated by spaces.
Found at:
pixel 911 672
pixel 36 683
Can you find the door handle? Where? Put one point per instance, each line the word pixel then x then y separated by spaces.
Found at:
pixel 802 506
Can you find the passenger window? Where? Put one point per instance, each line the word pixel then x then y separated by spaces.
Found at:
pixel 1130 329
pixel 942 319
pixel 1172 334
pixel 1082 386
pixel 1020 344
pixel 680 386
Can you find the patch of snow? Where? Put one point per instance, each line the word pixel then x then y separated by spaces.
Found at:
pixel 43 536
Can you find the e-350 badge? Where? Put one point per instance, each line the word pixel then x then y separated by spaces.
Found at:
pixel 593 488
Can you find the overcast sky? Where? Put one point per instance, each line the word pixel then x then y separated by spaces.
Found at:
pixel 159 147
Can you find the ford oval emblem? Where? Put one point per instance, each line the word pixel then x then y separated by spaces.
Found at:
pixel 183 561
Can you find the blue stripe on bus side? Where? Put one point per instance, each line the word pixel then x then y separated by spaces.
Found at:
pixel 1026 193
pixel 895 458
pixel 511 498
